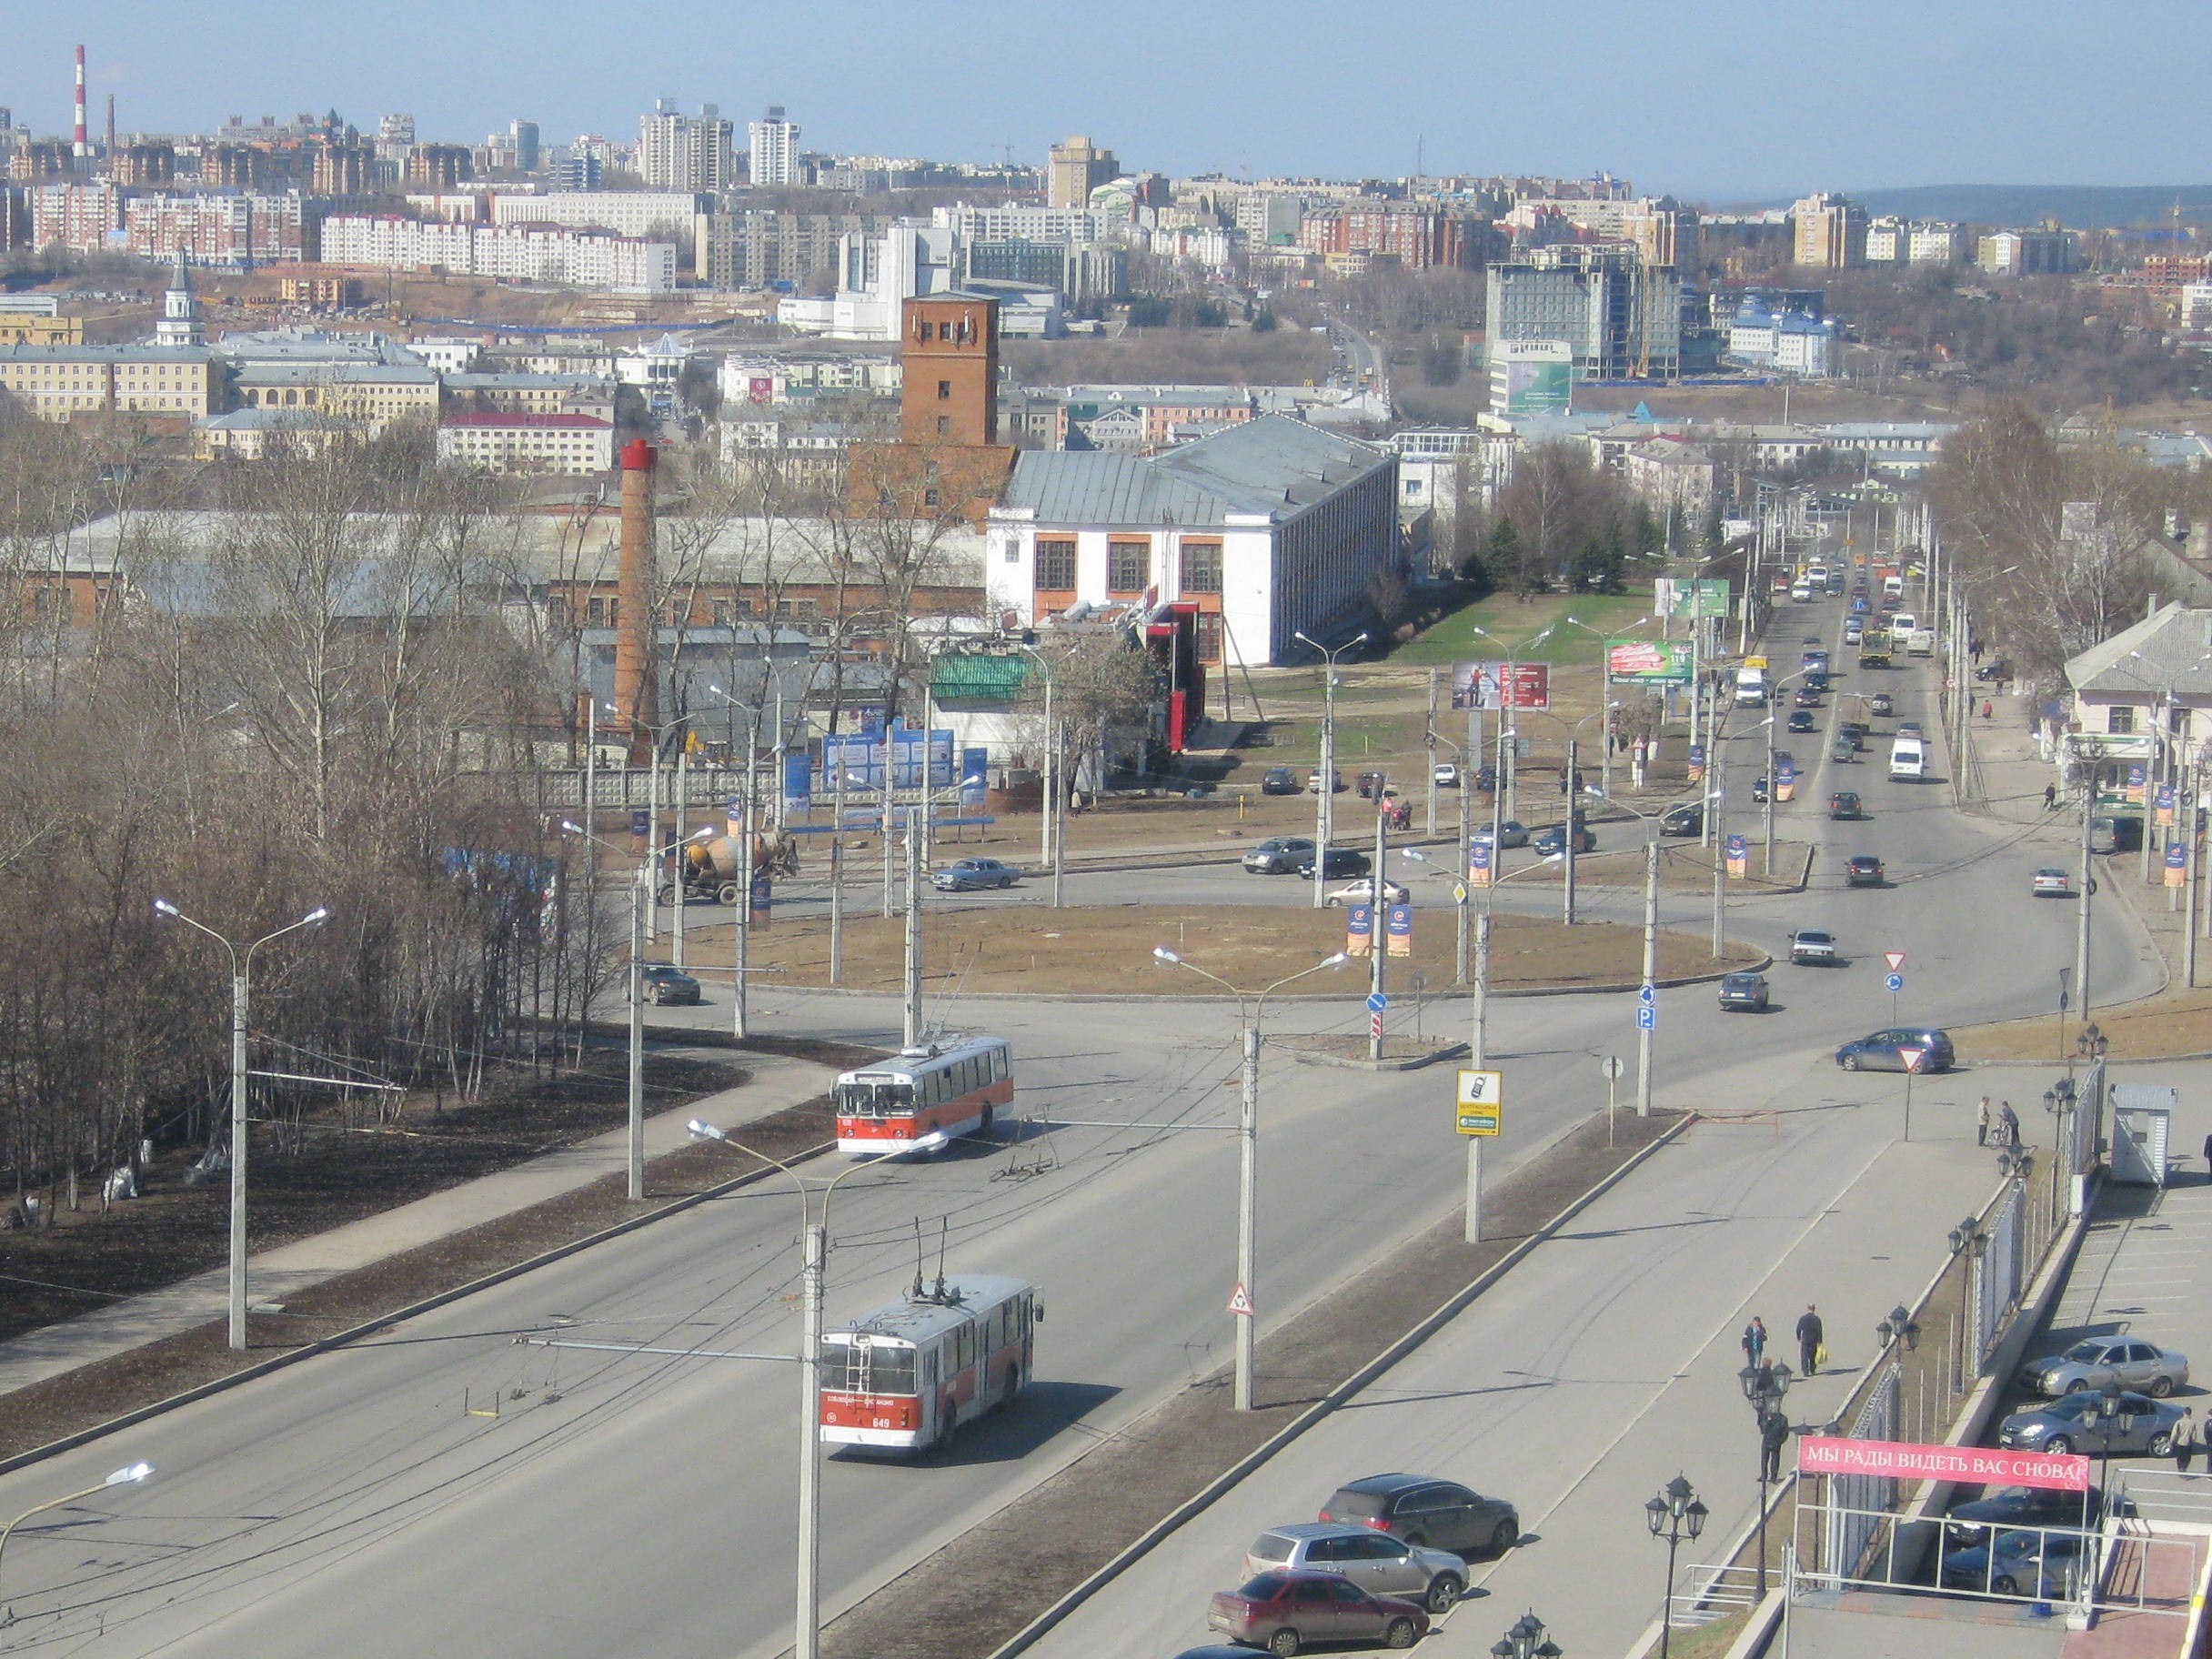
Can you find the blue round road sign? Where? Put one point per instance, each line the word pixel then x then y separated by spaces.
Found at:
pixel 1377 1002
pixel 1894 982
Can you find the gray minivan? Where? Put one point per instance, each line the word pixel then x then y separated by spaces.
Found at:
pixel 2116 833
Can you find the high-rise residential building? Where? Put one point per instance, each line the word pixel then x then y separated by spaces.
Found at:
pixel 680 152
pixel 1664 232
pixel 395 138
pixel 1620 318
pixel 576 168
pixel 439 167
pixel 1417 235
pixel 344 169
pixel 152 163
pixel 524 135
pixel 1888 240
pixel 1077 168
pixel 775 148
pixel 1828 232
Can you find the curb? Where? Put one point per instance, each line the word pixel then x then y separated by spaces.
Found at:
pixel 1045 1622
pixel 131 1418
pixel 1353 1062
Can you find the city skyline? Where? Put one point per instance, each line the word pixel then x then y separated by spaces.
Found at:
pixel 1718 100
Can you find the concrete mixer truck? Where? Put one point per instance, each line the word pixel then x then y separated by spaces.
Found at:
pixel 713 870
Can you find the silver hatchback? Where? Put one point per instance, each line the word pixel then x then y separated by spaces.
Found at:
pixel 1376 1562
pixel 2101 1362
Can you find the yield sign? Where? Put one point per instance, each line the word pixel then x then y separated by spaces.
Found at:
pixel 1896 959
pixel 1911 1057
pixel 1239 1302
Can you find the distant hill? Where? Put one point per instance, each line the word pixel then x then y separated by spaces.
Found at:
pixel 2081 206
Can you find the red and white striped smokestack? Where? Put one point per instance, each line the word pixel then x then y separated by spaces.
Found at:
pixel 637 685
pixel 82 149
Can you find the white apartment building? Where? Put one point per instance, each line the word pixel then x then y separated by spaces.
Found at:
pixel 2196 305
pixel 1936 244
pixel 680 152
pixel 775 148
pixel 771 380
pixel 513 253
pixel 503 442
pixel 1887 241
pixel 1077 226
pixel 660 215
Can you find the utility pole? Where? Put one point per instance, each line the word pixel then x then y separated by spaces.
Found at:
pixel 2185 815
pixel 1716 804
pixel 1248 1187
pixel 1481 981
pixel 1459 859
pixel 837 869
pixel 1774 705
pixel 1651 971
pixel 1573 809
pixel 1429 743
pixel 641 902
pixel 740 1013
pixel 2081 913
pixel 683 853
pixel 1378 910
pixel 913 916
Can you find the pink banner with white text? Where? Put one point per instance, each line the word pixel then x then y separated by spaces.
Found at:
pixel 1974 1465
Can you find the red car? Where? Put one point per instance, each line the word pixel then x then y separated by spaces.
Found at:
pixel 1287 1613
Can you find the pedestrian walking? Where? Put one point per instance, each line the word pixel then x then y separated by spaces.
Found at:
pixel 2188 1434
pixel 2009 1125
pixel 2208 1157
pixel 1989 709
pixel 1809 1344
pixel 1981 1124
pixel 1774 1435
pixel 1754 1343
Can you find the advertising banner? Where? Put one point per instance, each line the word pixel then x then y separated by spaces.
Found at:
pixel 1785 782
pixel 1695 770
pixel 975 776
pixel 1648 662
pixel 1358 930
pixel 1478 865
pixel 2166 804
pixel 797 784
pixel 1974 1465
pixel 1738 851
pixel 1501 685
pixel 1398 923
pixel 2176 863
pixel 2138 777
pixel 1706 597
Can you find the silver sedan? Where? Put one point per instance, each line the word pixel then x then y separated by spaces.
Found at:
pixel 2098 1362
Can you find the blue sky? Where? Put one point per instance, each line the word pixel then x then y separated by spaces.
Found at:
pixel 1721 100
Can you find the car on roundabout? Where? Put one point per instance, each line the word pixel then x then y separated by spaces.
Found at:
pixel 2051 882
pixel 971 874
pixel 1362 891
pixel 1445 775
pixel 1552 842
pixel 1689 819
pixel 1335 861
pixel 1885 1051
pixel 1279 781
pixel 1743 993
pixel 1813 948
pixel 1864 870
pixel 1845 806
pixel 1801 719
pixel 669 985
pixel 1278 855
pixel 1882 704
pixel 1511 834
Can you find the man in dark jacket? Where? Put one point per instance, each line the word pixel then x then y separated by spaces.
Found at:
pixel 1774 1435
pixel 1808 1341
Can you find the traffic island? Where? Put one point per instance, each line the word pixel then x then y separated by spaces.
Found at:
pixel 1106 951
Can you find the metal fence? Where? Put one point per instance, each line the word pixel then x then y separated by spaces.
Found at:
pixel 1858 1504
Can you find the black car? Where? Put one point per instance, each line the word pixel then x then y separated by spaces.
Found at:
pixel 1865 870
pixel 1279 781
pixel 1552 842
pixel 2006 1506
pixel 1801 721
pixel 1743 991
pixel 1758 786
pixel 1856 731
pixel 1486 779
pixel 1439 1514
pixel 665 983
pixel 1336 861
pixel 1688 820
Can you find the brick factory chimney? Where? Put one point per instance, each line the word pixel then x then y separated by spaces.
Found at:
pixel 636 688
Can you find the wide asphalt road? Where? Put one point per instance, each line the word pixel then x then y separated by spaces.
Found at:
pixel 643 1506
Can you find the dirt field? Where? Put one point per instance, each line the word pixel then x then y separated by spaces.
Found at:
pixel 1108 951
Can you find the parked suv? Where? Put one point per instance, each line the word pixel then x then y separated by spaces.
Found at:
pixel 1372 1560
pixel 1442 1514
pixel 1279 781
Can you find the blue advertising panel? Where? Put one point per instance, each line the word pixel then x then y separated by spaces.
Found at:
pixel 975 776
pixel 798 782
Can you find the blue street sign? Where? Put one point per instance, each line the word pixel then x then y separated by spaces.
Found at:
pixel 1647 1019
pixel 1648 994
pixel 1377 1002
pixel 1895 982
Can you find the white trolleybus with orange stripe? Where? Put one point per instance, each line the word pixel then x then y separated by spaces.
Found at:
pixel 924 1097
pixel 903 1378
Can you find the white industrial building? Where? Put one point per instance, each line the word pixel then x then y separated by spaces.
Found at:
pixel 1270 528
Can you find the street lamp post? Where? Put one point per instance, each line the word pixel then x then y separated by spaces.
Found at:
pixel 132 1475
pixel 814 1252
pixel 1249 1005
pixel 1526 1640
pixel 1324 807
pixel 1764 1385
pixel 1604 692
pixel 1055 829
pixel 1674 1514
pixel 1475 1042
pixel 636 981
pixel 241 974
pixel 2113 1414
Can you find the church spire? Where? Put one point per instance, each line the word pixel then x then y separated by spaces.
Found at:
pixel 180 319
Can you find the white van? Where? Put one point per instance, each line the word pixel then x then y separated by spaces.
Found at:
pixel 1893 586
pixel 1908 760
pixel 1801 591
pixel 1901 626
pixel 1750 688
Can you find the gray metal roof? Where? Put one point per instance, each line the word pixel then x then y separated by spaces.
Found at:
pixel 2169 651
pixel 1272 468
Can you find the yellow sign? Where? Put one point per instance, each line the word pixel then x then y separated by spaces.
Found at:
pixel 1480 1107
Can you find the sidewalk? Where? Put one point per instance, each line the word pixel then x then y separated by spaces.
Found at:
pixel 1607 1361
pixel 775 1084
pixel 2006 774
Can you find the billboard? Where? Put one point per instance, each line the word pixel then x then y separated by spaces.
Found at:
pixel 859 757
pixel 1501 685
pixel 1974 1465
pixel 1648 662
pixel 1705 597
pixel 1531 377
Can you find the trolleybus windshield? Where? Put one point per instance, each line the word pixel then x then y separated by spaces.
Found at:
pixel 875 1099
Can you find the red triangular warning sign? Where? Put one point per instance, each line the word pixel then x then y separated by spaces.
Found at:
pixel 1239 1302
pixel 1896 959
pixel 1912 1058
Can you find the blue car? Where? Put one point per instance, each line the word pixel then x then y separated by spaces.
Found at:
pixel 1885 1051
pixel 2040 1564
pixel 966 875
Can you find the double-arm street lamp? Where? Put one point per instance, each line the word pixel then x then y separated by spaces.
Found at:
pixel 1055 830
pixel 1604 688
pixel 241 974
pixel 1674 1514
pixel 1764 1385
pixel 1249 1005
pixel 1461 893
pixel 1526 1640
pixel 814 1233
pixel 1324 807
pixel 641 895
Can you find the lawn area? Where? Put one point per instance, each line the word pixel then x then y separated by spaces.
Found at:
pixel 1510 624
